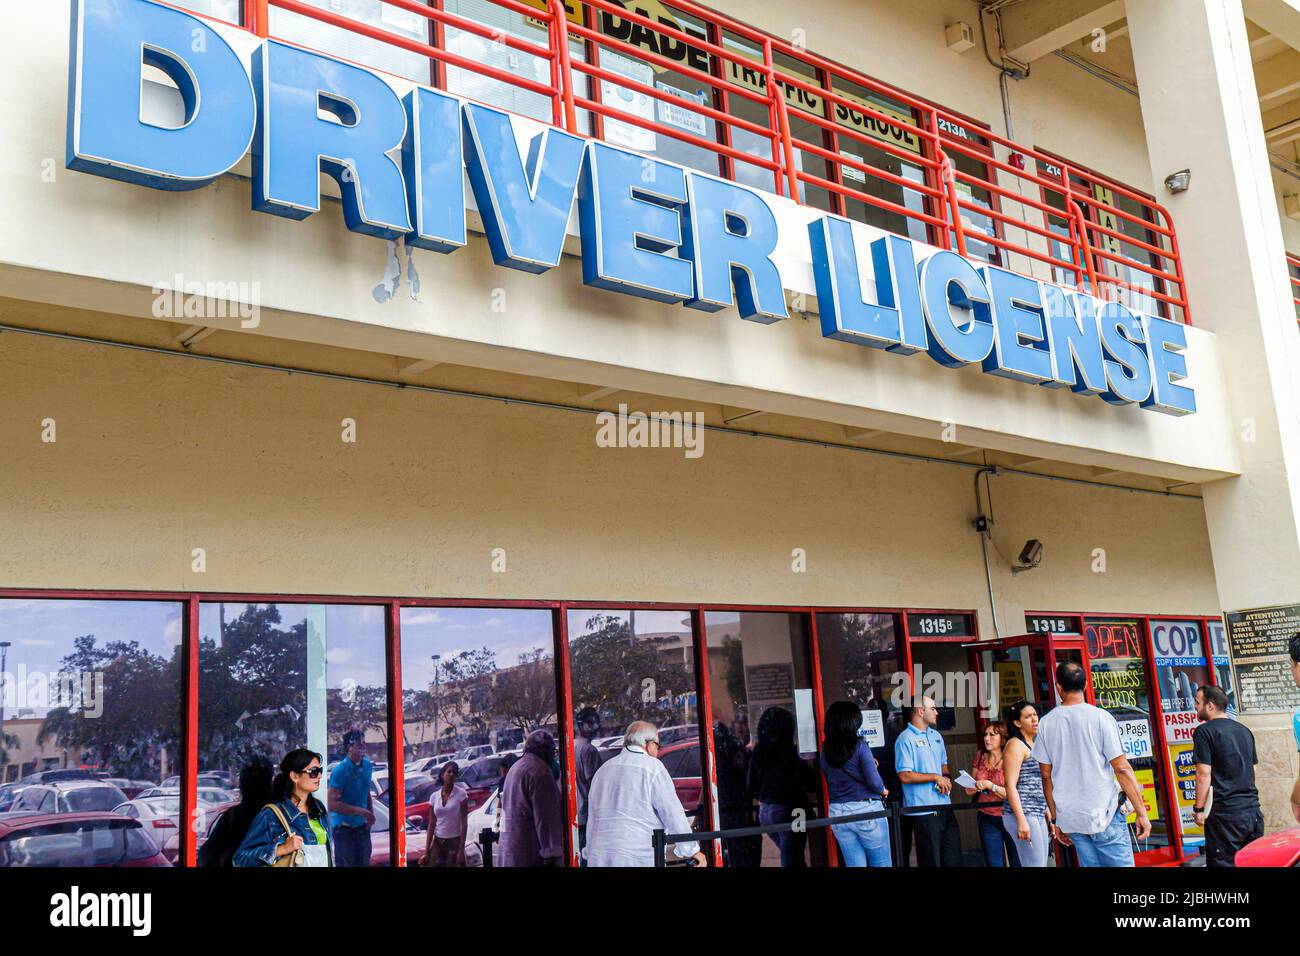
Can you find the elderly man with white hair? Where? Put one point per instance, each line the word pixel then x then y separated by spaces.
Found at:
pixel 631 796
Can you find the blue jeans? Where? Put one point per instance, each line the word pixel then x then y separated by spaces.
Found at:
pixel 351 846
pixel 1110 847
pixel 866 842
pixel 994 839
pixel 1036 850
pixel 790 844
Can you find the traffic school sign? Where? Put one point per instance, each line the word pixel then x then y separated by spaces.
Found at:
pixel 648 228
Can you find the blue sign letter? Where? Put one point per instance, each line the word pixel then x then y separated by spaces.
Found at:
pixel 948 281
pixel 731 237
pixel 112 40
pixel 1128 376
pixel 295 144
pixel 845 314
pixel 1076 341
pixel 525 206
pixel 435 181
pixel 630 209
pixel 1020 349
pixel 1167 345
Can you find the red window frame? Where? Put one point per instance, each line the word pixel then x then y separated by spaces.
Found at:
pixel 190 602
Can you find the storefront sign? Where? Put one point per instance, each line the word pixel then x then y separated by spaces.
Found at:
pixel 873 728
pixel 648 228
pixel 1185 788
pixel 1051 624
pixel 1119 684
pixel 1112 639
pixel 938 625
pixel 769 682
pixel 1135 737
pixel 637 34
pixel 1181 668
pixel 1011 682
pixel 1259 640
pixel 901 131
pixel 1147 781
pixel 1222 662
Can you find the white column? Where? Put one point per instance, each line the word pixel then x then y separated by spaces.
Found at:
pixel 1200 110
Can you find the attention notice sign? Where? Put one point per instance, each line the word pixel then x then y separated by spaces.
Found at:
pixel 1259 640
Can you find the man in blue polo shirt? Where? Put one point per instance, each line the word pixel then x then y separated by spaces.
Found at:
pixel 350 808
pixel 921 761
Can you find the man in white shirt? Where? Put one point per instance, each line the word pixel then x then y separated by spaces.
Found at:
pixel 1084 768
pixel 631 796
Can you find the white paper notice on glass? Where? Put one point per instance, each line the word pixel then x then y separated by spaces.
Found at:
pixel 803 715
pixel 627 100
pixel 965 780
pixel 873 728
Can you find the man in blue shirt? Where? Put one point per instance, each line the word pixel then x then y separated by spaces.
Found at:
pixel 921 761
pixel 349 800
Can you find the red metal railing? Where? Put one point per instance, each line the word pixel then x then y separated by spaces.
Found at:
pixel 970 190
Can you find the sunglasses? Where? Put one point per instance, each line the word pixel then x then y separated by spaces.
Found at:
pixel 314 772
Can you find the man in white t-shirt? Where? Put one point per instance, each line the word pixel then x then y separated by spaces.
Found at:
pixel 1084 768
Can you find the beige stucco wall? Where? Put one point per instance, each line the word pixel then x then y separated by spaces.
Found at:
pixel 157 456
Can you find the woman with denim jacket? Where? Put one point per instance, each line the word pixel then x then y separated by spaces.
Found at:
pixel 292 794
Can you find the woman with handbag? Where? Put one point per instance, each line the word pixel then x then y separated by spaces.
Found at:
pixel 294 829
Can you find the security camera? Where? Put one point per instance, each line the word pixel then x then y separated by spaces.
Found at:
pixel 1031 556
pixel 1179 182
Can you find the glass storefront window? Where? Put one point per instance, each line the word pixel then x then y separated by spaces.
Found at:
pixel 275 677
pixel 1117 660
pixel 630 665
pixel 1181 668
pixel 475 682
pixel 860 662
pixel 90 717
pixel 1222 663
pixel 760 684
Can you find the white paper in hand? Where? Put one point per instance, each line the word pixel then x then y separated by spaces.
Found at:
pixel 965 780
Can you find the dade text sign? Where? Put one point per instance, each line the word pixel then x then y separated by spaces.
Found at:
pixel 648 228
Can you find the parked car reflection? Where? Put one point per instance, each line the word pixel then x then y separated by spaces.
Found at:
pixel 75 839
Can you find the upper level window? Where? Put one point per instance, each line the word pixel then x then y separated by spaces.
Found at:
pixel 228 10
pixel 345 44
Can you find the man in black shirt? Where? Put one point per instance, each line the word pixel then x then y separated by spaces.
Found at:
pixel 1224 751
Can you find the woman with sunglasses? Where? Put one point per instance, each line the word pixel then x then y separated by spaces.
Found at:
pixel 294 824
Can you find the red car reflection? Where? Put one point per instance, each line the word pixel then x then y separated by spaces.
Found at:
pixel 76 839
pixel 682 762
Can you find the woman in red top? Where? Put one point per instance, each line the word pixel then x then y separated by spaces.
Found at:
pixel 991 787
